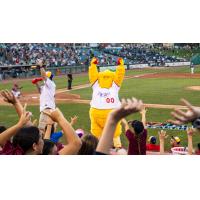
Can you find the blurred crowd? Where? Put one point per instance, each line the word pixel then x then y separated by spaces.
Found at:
pixel 58 55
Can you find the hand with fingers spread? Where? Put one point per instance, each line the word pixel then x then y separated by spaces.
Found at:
pixel 143 111
pixel 8 97
pixel 190 131
pixel 25 117
pixel 162 135
pixel 128 107
pixel 73 120
pixel 182 117
pixel 56 115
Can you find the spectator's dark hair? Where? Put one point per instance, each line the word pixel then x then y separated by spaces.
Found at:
pixel 198 145
pixel 48 146
pixel 26 137
pixel 89 145
pixel 137 126
pixel 2 129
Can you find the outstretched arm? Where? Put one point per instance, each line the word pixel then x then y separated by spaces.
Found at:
pixel 162 136
pixel 125 124
pixel 93 72
pixel 190 133
pixel 7 134
pixel 143 114
pixel 128 107
pixel 73 141
pixel 120 72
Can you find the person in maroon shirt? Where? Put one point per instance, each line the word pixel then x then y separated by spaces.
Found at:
pixel 136 135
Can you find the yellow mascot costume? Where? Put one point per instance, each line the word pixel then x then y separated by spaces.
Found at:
pixel 106 86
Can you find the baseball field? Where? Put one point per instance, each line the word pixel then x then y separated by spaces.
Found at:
pixel 159 88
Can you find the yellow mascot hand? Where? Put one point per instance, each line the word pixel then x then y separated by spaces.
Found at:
pixel 93 72
pixel 120 72
pixel 120 61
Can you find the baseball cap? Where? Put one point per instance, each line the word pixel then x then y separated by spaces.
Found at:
pixel 80 132
pixel 152 140
pixel 177 139
pixel 49 74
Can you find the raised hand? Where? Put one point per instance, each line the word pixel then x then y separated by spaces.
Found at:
pixel 182 117
pixel 56 115
pixel 73 120
pixel 162 135
pixel 143 111
pixel 8 97
pixel 120 61
pixel 25 117
pixel 128 107
pixel 94 61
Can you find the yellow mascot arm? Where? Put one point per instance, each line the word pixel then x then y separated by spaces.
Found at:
pixel 120 72
pixel 93 72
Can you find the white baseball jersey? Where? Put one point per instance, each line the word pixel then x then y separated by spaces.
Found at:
pixel 47 95
pixel 103 98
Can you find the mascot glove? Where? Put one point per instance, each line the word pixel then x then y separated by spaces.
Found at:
pixel 120 61
pixel 94 61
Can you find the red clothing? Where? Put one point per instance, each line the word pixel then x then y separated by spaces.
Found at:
pixel 153 147
pixel 197 152
pixel 9 149
pixel 134 148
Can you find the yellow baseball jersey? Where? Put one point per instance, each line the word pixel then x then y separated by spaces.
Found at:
pixel 103 98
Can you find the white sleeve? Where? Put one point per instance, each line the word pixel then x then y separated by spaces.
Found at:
pixel 48 82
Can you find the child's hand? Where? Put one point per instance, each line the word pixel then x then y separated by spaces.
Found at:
pixel 190 132
pixel 162 135
pixel 73 120
pixel 25 117
pixel 143 111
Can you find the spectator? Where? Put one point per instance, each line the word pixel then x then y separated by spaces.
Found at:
pixel 152 146
pixel 136 134
pixel 127 107
pixel 89 145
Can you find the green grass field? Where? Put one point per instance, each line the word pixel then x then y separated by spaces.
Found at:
pixel 150 90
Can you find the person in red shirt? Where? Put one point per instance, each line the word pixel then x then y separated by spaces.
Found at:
pixel 152 146
pixel 197 152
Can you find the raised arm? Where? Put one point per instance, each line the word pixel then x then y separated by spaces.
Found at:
pixel 143 114
pixel 43 73
pixel 10 98
pixel 93 72
pixel 73 141
pixel 127 107
pixel 10 132
pixel 125 124
pixel 182 117
pixel 120 72
pixel 162 137
pixel 190 133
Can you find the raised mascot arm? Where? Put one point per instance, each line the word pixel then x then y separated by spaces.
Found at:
pixel 120 72
pixel 93 72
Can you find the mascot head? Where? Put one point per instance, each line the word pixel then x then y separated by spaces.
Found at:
pixel 106 78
